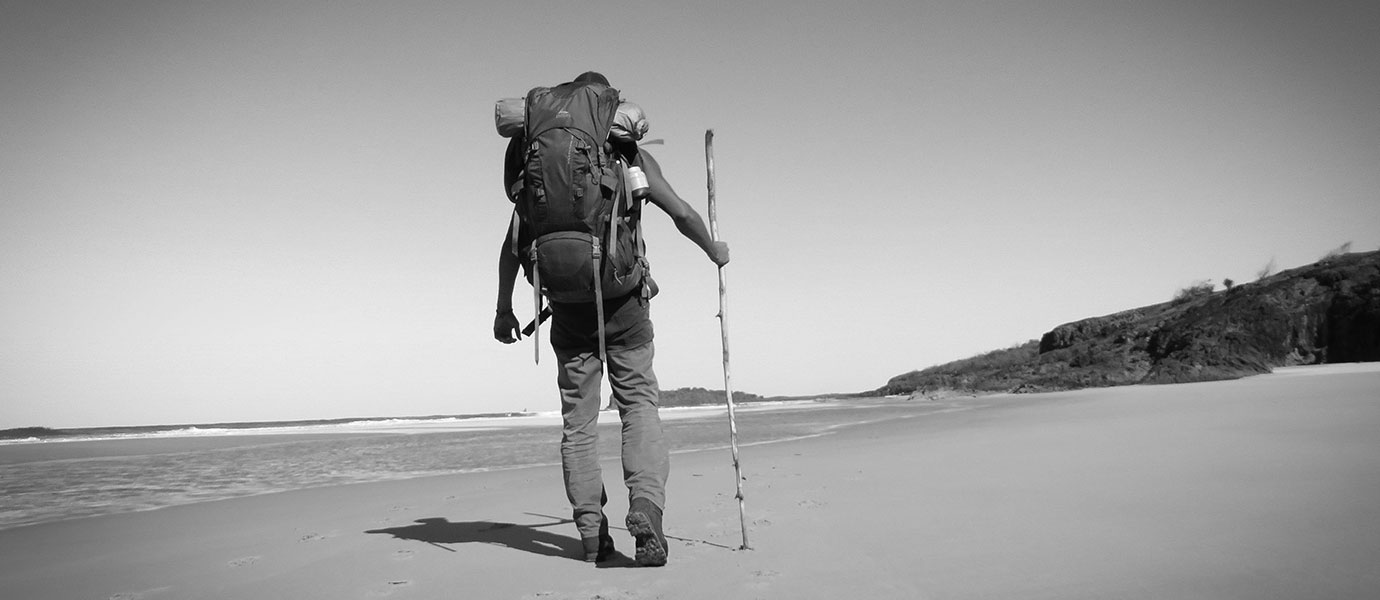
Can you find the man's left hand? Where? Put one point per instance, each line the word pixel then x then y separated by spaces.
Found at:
pixel 507 329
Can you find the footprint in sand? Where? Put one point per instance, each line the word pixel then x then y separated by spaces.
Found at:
pixel 605 595
pixel 243 562
pixel 138 595
pixel 763 578
pixel 311 537
pixel 388 588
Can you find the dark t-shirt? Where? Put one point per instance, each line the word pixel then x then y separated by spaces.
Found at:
pixel 627 324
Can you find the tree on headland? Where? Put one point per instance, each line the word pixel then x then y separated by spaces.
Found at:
pixel 1197 289
pixel 1338 251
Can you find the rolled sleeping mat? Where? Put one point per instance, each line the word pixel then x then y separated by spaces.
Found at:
pixel 629 123
pixel 510 114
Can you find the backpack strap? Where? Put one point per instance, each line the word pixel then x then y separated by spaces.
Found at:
pixel 613 216
pixel 639 245
pixel 514 233
pixel 536 302
pixel 599 303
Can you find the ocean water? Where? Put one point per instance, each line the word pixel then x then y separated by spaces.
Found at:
pixel 133 469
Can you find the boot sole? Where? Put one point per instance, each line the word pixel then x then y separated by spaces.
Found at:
pixel 651 550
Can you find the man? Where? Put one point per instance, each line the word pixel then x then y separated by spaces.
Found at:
pixel 629 349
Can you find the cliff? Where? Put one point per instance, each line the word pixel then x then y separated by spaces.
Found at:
pixel 1326 312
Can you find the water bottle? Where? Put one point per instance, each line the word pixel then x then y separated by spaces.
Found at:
pixel 637 182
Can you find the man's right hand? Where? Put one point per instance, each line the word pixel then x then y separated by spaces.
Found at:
pixel 507 329
pixel 719 253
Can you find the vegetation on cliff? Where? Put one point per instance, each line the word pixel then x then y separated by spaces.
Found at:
pixel 1326 312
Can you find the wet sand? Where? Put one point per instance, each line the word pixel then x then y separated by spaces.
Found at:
pixel 1267 487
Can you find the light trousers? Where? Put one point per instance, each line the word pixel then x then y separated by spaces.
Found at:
pixel 646 460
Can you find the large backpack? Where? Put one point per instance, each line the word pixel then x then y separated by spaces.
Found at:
pixel 575 228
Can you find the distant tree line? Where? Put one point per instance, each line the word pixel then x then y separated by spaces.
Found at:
pixel 695 396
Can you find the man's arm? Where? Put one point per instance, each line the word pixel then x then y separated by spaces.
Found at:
pixel 506 326
pixel 682 214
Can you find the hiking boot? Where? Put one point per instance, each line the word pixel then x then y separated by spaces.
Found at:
pixel 599 549
pixel 644 523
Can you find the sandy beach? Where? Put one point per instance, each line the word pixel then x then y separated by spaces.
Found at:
pixel 1267 487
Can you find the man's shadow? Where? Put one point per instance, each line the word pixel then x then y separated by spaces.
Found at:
pixel 438 532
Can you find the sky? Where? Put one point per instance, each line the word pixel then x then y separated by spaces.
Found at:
pixel 216 211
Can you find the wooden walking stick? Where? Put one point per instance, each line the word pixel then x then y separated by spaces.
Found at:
pixel 723 328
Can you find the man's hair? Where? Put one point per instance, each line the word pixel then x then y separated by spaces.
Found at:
pixel 592 77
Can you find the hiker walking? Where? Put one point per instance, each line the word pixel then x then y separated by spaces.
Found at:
pixel 576 177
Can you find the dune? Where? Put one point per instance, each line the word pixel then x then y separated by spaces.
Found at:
pixel 1265 487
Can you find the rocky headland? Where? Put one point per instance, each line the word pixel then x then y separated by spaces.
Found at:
pixel 1325 312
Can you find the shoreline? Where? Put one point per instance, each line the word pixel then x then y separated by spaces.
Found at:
pixel 57 482
pixel 355 425
pixel 1256 488
pixel 481 421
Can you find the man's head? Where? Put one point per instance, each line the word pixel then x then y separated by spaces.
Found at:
pixel 592 77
